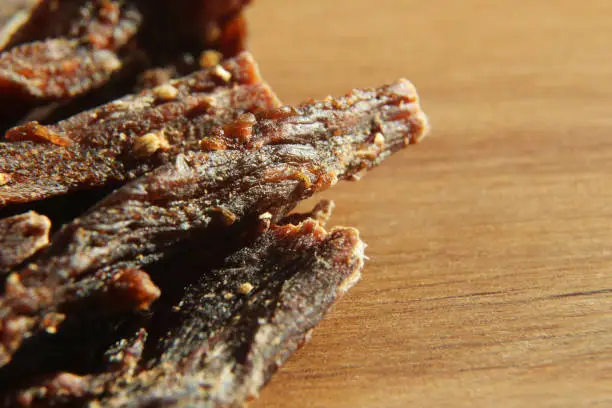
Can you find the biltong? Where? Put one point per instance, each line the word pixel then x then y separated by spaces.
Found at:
pixel 21 236
pixel 282 156
pixel 230 331
pixel 60 68
pixel 193 279
pixel 124 139
pixel 60 56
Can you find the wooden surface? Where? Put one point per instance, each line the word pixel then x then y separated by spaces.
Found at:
pixel 490 277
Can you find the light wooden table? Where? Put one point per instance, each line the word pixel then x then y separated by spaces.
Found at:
pixel 490 279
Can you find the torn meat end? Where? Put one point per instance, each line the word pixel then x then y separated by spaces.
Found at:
pixel 21 236
pixel 131 289
pixel 321 213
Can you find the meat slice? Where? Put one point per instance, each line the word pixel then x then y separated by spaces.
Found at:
pixel 59 57
pixel 122 140
pixel 227 334
pixel 281 157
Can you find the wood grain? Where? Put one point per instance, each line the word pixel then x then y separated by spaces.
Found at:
pixel 490 277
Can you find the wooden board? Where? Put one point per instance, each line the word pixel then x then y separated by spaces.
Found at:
pixel 490 278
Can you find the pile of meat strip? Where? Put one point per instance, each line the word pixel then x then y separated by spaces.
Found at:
pixel 148 253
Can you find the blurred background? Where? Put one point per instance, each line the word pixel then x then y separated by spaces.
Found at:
pixel 490 280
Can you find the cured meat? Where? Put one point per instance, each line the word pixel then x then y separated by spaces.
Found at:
pixel 124 139
pixel 20 237
pixel 228 333
pixel 245 319
pixel 281 157
pixel 57 68
pixel 176 274
pixel 62 56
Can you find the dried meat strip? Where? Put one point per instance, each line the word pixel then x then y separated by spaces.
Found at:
pixel 200 23
pixel 230 331
pixel 53 69
pixel 245 319
pixel 63 56
pixel 288 155
pixel 124 139
pixel 60 68
pixel 176 39
pixel 35 20
pixel 21 236
pixel 64 67
pixel 66 347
